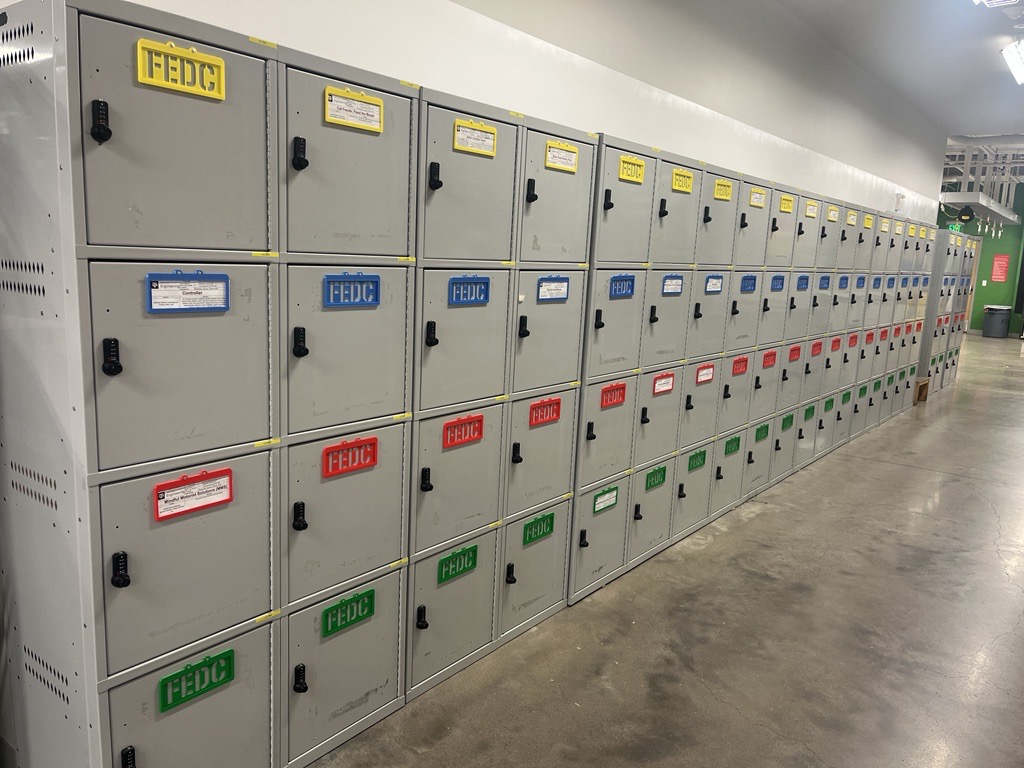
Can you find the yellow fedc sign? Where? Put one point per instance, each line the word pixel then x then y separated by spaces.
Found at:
pixel 682 180
pixel 723 189
pixel 165 65
pixel 869 221
pixel 631 169
pixel 787 203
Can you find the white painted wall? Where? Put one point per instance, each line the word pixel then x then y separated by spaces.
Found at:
pixel 790 108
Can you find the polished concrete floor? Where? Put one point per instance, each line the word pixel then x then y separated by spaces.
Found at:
pixel 865 612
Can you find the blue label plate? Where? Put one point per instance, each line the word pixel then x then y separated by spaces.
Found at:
pixel 778 283
pixel 347 290
pixel 552 288
pixel 891 282
pixel 469 290
pixel 917 281
pixel 803 282
pixel 904 281
pixel 713 284
pixel 925 281
pixel 861 281
pixel 672 285
pixel 748 283
pixel 621 286
pixel 844 282
pixel 824 282
pixel 876 283
pixel 181 292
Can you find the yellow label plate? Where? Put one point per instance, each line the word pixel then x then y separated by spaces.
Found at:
pixel 475 138
pixel 682 180
pixel 186 70
pixel 851 218
pixel 560 156
pixel 631 169
pixel 899 227
pixel 811 209
pixel 787 203
pixel 959 242
pixel 833 213
pixel 869 221
pixel 343 106
pixel 758 197
pixel 883 226
pixel 912 230
pixel 931 234
pixel 723 189
pixel 922 232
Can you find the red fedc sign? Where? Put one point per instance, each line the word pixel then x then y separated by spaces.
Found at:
pixel 1000 267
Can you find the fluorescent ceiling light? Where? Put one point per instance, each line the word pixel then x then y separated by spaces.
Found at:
pixel 996 3
pixel 1014 55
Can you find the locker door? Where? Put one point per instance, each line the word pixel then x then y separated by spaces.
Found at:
pixel 666 310
pixel 781 230
pixel 751 225
pixel 881 247
pixel 821 304
pixel 909 250
pixel 623 213
pixel 352 194
pixel 468 197
pixel 772 321
pixel 716 225
pixel 557 201
pixel 346 502
pixel 659 402
pixel 806 428
pixel 798 310
pixel 783 445
pixel 833 365
pixel 829 231
pixel 549 329
pixel 727 481
pixel 825 427
pixel 158 176
pixel 765 388
pixel 838 319
pixel 850 360
pixel 814 367
pixel 859 420
pixel 607 435
pixel 906 344
pixel 183 351
pixel 692 501
pixel 791 376
pixel 737 384
pixel 858 301
pixel 457 481
pixel 531 573
pixel 914 295
pixel 337 320
pixel 881 352
pixel 808 235
pixel 922 297
pixel 211 709
pixel 758 458
pixel 674 225
pixel 893 357
pixel 844 414
pixel 912 384
pixel 744 309
pixel 598 546
pixel 888 307
pixel 849 222
pixel 888 397
pixel 921 252
pixel 873 301
pixel 897 243
pixel 904 299
pixel 452 606
pixel 866 354
pixel 709 297
pixel 875 402
pixel 542 439
pixel 152 525
pixel 899 399
pixel 348 649
pixel 700 401
pixel 865 237
pixel 650 519
pixel 614 338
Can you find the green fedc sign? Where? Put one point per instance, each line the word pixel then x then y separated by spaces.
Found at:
pixel 538 528
pixel 457 563
pixel 761 433
pixel 655 478
pixel 808 413
pixel 830 404
pixel 787 422
pixel 846 397
pixel 732 445
pixel 344 613
pixel 196 679
pixel 697 460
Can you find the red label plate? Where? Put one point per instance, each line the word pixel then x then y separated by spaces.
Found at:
pixel 897 331
pixel 664 383
pixel 192 493
pixel 465 429
pixel 739 365
pixel 883 334
pixel 837 343
pixel 920 324
pixel 613 394
pixel 869 337
pixel 816 348
pixel 852 340
pixel 545 411
pixel 348 456
pixel 705 373
pixel 908 328
pixel 769 358
pixel 794 353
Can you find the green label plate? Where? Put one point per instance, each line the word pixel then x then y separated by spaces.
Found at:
pixel 863 391
pixel 877 385
pixel 903 375
pixel 846 397
pixel 655 478
pixel 732 445
pixel 538 528
pixel 196 679
pixel 808 413
pixel 344 613
pixel 606 499
pixel 787 422
pixel 457 563
pixel 913 370
pixel 697 460
pixel 889 382
pixel 761 433
pixel 830 404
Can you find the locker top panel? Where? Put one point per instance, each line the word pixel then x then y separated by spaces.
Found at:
pixel 459 104
pixel 563 131
pixel 321 66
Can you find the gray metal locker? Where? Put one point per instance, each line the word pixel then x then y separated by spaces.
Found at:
pixel 213 391
pixel 839 318
pixel 825 429
pixel 348 174
pixel 210 709
pixel 345 505
pixel 675 215
pixel 866 236
pixel 866 354
pixel 700 401
pixel 743 311
pixel 666 309
pixel 907 254
pixel 737 384
pixel 692 502
pixel 806 428
pixel 821 303
pixel 911 384
pixel 798 310
pixel 829 231
pixel 531 573
pixel 808 235
pixel 833 366
pixel 598 545
pixel 849 360
pixel 922 296
pixel 709 299
pixel 844 416
pixel 905 343
pixel 156 178
pixel 880 250
pixel 848 231
pixel 558 198
pixel 859 419
pixel 754 209
pixel 888 397
pixel 888 307
pixel 659 403
pixel 716 223
pixel 858 300
pixel 456 478
pixel 873 300
pixel 540 461
pixel 813 370
pixel 469 187
pixel 791 376
pixel 451 607
pixel 650 512
pixel 905 300
pixel 606 439
pixel 765 388
pixel 337 318
pixel 727 480
pixel 758 458
pixel 343 658
pixel 875 401
pixel 613 336
pixel 623 207
pixel 783 444
pixel 915 295
pixel 549 329
pixel 897 244
pixel 890 347
pixel 774 297
pixel 162 542
pixel 465 327
pixel 881 352
pixel 781 229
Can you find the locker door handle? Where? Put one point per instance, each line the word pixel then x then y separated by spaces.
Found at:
pixel 299 348
pixel 608 204
pixel 663 209
pixel 903 343
pixel 598 322
pixel 853 299
pixel 892 242
pixel 689 402
pixel 842 237
pixel 100 130
pixel 523 330
pixel 765 307
pixel 778 444
pixel 860 238
pixel 299 684
pixel 871 298
pixel 775 225
pixel 863 355
pixel 750 457
pixel 718 474
pixel 917 246
pixel 828 363
pixel 510 573
pixel 800 229
pixel 644 419
pixel 835 300
pixel 697 314
pixel 421 617
pixel 654 314
pixel 120 578
pixel 885 395
pixel 517 457
pixel 128 757
pixel 899 296
pixel 846 358
pixel 814 302
pixel 856 408
pixel 681 492
pixel 299 516
pixel 112 357
pixel 807 369
pixel 800 434
pixel 871 402
pixel 906 246
pixel 824 233
pixel 743 221
pixel 299 160
pixel 435 182
pixel 636 512
pixel 531 191
pixel 839 415
pixel 821 424
pixel 431 340
pixel 725 392
pixel 878 242
pixel 425 485
pixel 878 349
pixel 885 297
pixel 735 308
pixel 757 382
pixel 792 302
pixel 583 539
pixel 892 346
pixel 591 435
pixel 785 375
pixel 707 214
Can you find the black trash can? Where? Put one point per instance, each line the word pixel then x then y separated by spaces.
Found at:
pixel 997 322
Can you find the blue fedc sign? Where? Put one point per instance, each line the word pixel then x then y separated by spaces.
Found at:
pixel 621 286
pixel 348 290
pixel 861 281
pixel 181 292
pixel 469 290
pixel 823 282
pixel 748 283
pixel 778 283
pixel 803 282
pixel 844 282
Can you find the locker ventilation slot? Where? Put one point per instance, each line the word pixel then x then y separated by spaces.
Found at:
pixel 10 56
pixel 55 681
pixel 22 277
pixel 26 475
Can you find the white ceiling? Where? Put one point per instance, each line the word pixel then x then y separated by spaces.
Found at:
pixel 941 56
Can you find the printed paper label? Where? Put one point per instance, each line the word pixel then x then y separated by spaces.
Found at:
pixel 811 209
pixel 560 156
pixel 851 218
pixel 180 292
pixel 606 499
pixel 475 138
pixel 355 110
pixel 672 285
pixel 705 373
pixel 664 382
pixel 552 288
pixel 192 494
pixel 758 197
pixel 713 284
pixel 833 213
